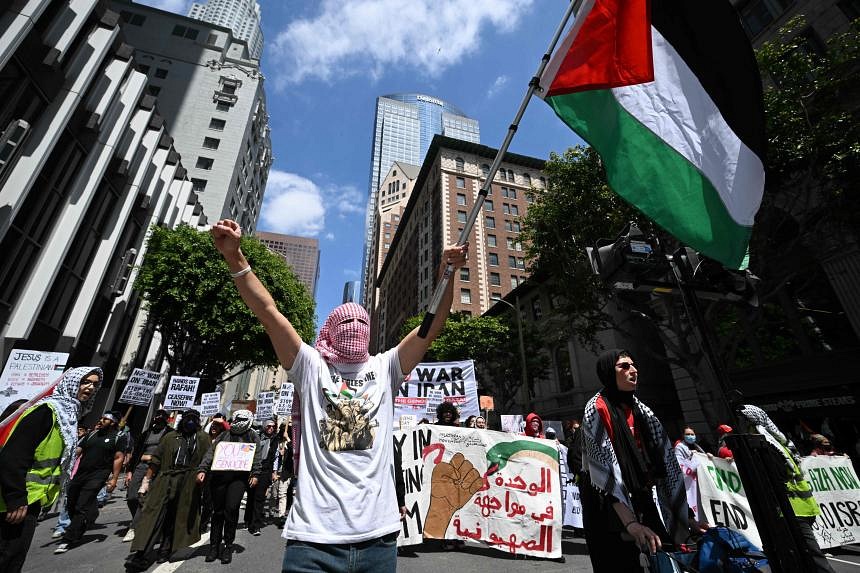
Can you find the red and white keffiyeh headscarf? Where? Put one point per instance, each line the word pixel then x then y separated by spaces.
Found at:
pixel 345 335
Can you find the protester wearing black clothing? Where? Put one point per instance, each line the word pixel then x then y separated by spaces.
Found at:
pixel 447 414
pixel 284 477
pixel 141 454
pixel 228 487
pixel 255 508
pixel 101 457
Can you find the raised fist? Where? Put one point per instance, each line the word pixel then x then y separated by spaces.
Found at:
pixel 453 485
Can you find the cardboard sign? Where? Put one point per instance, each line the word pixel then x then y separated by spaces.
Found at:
pixel 837 491
pixel 181 392
pixel 465 483
pixel 28 373
pixel 455 380
pixel 140 387
pixel 233 457
pixel 285 400
pixel 210 402
pixel 407 422
pixel 265 406
pixel 434 398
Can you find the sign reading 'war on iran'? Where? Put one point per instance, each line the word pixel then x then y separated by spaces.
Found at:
pixel 465 483
pixel 837 491
pixel 139 388
pixel 181 392
pixel 456 381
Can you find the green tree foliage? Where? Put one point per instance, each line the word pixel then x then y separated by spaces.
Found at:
pixel 575 210
pixel 493 343
pixel 206 328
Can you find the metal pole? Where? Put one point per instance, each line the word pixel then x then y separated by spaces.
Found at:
pixel 527 396
pixel 500 154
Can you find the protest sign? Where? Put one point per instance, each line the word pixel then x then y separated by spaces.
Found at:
pixel 456 381
pixel 513 423
pixel 407 422
pixel 434 398
pixel 210 403
pixel 572 506
pixel 464 483
pixel 139 388
pixel 689 469
pixel 181 392
pixel 837 491
pixel 28 373
pixel 285 400
pixel 233 456
pixel 265 406
pixel 724 500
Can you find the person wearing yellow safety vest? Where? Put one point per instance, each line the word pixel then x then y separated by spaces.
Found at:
pixel 798 489
pixel 36 458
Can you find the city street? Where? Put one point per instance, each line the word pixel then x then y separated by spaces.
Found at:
pixel 103 552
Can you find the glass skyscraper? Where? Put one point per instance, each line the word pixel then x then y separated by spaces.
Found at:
pixel 402 131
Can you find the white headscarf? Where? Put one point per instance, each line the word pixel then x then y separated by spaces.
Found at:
pixel 67 408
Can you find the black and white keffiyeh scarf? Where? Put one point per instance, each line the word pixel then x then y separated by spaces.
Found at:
pixel 774 436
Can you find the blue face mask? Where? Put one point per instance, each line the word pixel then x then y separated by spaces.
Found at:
pixel 690 439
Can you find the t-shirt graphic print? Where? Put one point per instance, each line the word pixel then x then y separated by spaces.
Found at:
pixel 348 424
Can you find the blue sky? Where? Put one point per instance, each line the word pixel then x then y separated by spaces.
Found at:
pixel 325 62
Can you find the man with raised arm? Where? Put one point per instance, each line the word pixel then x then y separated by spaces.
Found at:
pixel 345 515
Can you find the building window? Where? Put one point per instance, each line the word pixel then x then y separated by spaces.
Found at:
pixel 222 106
pixel 503 174
pixel 185 32
pixel 512 193
pixel 506 209
pixel 198 185
pixel 488 205
pixel 204 163
pixel 212 39
pixel 132 18
pixel 461 216
pixel 515 211
pixel 143 68
pixel 514 282
pixel 491 222
pixel 537 313
pixel 510 243
pixel 217 124
pixel 508 226
pixel 153 90
pixel 527 179
pixel 521 263
pixel 515 227
pixel 495 279
pixel 465 296
pixel 512 261
pixel 211 143
pixel 542 182
pixel 160 73
pixel 562 364
pixel 464 274
pixel 493 259
pixel 495 296
pixel 461 183
pixel 460 164
pixel 461 199
pixel 485 169
pixel 387 235
pixel 510 176
pixel 491 240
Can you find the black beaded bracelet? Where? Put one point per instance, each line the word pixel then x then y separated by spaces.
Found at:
pixel 626 525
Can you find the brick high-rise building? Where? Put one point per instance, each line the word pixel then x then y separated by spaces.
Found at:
pixel 301 253
pixel 441 198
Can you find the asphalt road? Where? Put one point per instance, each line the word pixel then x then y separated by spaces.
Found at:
pixel 104 552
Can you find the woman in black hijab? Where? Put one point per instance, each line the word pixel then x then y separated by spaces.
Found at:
pixel 627 453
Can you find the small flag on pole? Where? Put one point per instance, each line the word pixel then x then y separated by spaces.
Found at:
pixel 669 93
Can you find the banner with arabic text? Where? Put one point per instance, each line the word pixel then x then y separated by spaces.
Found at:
pixel 465 483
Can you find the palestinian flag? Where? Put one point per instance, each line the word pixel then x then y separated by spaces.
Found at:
pixel 669 93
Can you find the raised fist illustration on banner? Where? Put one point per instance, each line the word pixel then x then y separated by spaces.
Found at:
pixel 452 486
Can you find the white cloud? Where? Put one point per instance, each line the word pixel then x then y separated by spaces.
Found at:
pixel 176 6
pixel 349 200
pixel 350 37
pixel 293 205
pixel 351 274
pixel 497 86
pixel 329 236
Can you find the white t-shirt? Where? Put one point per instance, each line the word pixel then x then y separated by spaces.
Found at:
pixel 345 490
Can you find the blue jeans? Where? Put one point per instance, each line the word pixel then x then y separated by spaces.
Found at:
pixel 64 520
pixel 375 556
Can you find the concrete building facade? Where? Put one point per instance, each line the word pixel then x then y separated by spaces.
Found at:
pixel 241 16
pixel 301 253
pixel 211 93
pixel 441 198
pixel 403 128
pixel 88 165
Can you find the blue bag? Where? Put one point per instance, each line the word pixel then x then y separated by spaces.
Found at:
pixel 722 550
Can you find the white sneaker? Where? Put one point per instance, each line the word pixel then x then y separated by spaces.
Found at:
pixel 61 548
pixel 57 533
pixel 129 536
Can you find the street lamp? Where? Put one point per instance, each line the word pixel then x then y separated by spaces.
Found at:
pixel 525 376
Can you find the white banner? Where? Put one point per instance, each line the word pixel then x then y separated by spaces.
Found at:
pixel 28 373
pixel 181 392
pixel 285 400
pixel 456 380
pixel 140 387
pixel 265 406
pixel 724 501
pixel 513 423
pixel 464 483
pixel 572 506
pixel 210 403
pixel 690 468
pixel 837 491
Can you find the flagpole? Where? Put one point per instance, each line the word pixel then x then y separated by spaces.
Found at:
pixel 572 9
